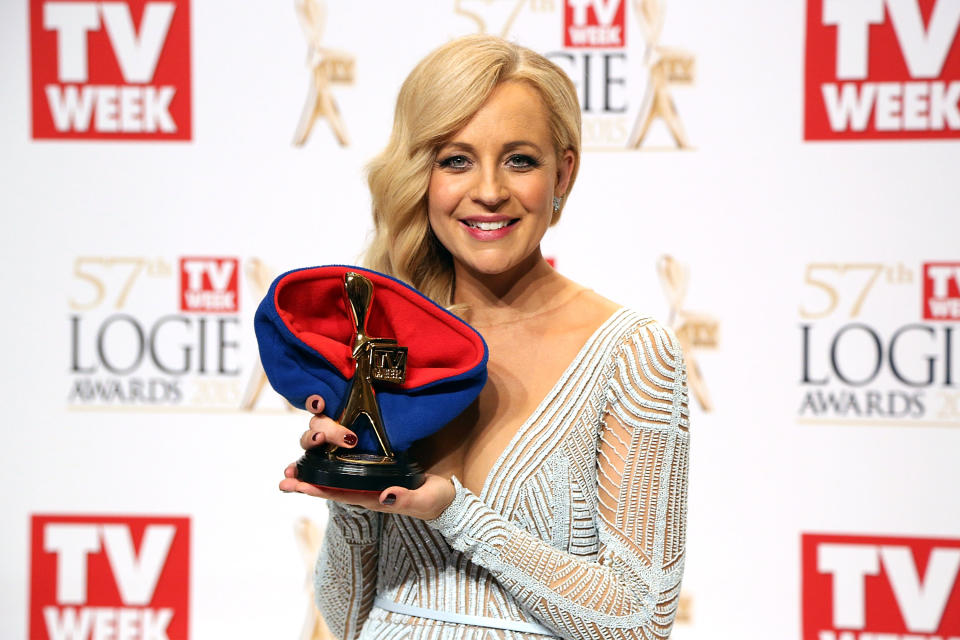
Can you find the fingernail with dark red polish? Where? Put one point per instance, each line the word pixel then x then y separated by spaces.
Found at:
pixel 390 499
pixel 315 404
pixel 350 439
pixel 315 436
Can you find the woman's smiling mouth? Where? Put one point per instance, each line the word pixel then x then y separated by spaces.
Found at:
pixel 489 228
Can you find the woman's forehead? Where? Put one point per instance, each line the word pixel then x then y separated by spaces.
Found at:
pixel 513 112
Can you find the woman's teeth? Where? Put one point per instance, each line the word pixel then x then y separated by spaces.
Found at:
pixel 487 226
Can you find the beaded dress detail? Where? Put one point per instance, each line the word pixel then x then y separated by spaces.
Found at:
pixel 580 525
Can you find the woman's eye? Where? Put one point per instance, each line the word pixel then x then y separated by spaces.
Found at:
pixel 455 162
pixel 521 161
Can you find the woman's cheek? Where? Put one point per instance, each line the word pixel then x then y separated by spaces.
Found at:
pixel 533 190
pixel 538 198
pixel 442 198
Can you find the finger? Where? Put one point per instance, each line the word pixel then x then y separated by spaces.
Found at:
pixel 416 501
pixel 311 439
pixel 290 471
pixel 315 404
pixel 427 502
pixel 309 489
pixel 291 484
pixel 365 499
pixel 345 497
pixel 391 497
pixel 324 429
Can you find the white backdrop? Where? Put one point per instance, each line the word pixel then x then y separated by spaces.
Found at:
pixel 748 208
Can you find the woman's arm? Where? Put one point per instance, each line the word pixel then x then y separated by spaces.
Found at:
pixel 632 590
pixel 345 580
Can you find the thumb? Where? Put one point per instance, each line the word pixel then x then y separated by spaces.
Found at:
pixel 391 497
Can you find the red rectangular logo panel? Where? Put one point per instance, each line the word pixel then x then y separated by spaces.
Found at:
pixel 594 24
pixel 860 587
pixel 941 291
pixel 110 70
pixel 109 577
pixel 210 284
pixel 882 69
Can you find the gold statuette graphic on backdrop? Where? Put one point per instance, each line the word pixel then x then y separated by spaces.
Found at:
pixel 501 13
pixel 327 67
pixel 667 66
pixel 693 330
pixel 625 81
pixel 259 277
pixel 309 538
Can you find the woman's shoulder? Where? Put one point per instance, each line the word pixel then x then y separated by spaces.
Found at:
pixel 620 325
pixel 628 322
pixel 634 336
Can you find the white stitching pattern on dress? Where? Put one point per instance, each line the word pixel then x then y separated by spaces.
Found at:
pixel 510 552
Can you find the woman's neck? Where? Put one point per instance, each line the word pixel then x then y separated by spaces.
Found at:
pixel 531 288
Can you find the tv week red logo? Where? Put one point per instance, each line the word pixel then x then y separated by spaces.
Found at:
pixel 594 23
pixel 941 291
pixel 110 70
pixel 880 588
pixel 882 69
pixel 109 577
pixel 209 284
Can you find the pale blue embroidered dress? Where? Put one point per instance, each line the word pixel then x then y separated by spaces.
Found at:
pixel 579 528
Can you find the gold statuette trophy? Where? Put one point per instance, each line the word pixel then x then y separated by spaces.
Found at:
pixel 379 360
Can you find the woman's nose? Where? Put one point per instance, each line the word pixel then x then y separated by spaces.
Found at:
pixel 490 190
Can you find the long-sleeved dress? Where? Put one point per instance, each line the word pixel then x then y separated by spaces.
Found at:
pixel 579 527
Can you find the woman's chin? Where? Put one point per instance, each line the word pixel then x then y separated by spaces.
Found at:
pixel 487 269
pixel 493 266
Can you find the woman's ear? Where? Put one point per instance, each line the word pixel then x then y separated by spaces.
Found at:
pixel 565 164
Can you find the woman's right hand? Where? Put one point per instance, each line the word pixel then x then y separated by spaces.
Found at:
pixel 323 430
pixel 426 502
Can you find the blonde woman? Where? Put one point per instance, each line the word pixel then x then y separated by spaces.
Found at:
pixel 555 506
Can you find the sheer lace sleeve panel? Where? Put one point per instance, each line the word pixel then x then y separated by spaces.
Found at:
pixel 345 580
pixel 632 589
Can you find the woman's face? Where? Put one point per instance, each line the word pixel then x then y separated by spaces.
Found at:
pixel 490 198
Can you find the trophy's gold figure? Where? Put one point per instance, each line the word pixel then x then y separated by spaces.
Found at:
pixel 327 67
pixel 667 66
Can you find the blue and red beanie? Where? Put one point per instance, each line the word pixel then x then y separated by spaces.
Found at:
pixel 305 333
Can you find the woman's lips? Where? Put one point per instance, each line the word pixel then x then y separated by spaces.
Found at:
pixel 486 229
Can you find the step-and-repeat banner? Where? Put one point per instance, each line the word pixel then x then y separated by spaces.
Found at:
pixel 778 181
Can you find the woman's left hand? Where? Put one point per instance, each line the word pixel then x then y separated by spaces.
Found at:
pixel 425 503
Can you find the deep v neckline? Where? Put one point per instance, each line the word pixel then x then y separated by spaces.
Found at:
pixel 554 390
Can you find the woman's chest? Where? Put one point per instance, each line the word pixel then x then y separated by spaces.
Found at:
pixel 471 444
pixel 551 495
pixel 525 383
pixel 530 369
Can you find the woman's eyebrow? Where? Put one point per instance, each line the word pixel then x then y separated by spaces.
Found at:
pixel 459 146
pixel 509 146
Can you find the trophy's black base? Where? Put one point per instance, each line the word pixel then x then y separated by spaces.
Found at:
pixel 349 471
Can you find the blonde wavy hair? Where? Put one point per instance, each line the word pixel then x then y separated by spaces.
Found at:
pixel 437 99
